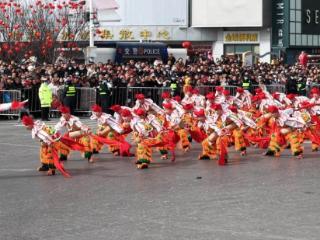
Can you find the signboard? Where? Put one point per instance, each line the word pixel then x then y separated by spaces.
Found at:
pixel 280 21
pixel 241 37
pixel 310 17
pixel 153 33
pixel 129 50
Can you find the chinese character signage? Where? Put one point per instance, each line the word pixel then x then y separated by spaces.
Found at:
pixel 241 37
pixel 130 50
pixel 126 34
pixel 133 33
pixel 280 22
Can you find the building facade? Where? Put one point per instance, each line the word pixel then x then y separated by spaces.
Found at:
pixel 296 28
pixel 215 25
pixel 243 26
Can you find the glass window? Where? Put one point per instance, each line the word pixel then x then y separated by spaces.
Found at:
pixel 304 40
pixel 310 40
pixel 292 15
pixel 298 4
pixel 256 49
pixel 298 16
pixel 292 27
pixel 298 40
pixel 228 49
pixel 298 27
pixel 243 48
pixel 292 39
pixel 315 40
pixel 292 4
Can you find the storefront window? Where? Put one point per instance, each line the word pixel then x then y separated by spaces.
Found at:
pixel 256 49
pixel 243 48
pixel 232 49
pixel 229 49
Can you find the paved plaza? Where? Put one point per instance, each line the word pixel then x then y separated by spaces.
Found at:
pixel 254 197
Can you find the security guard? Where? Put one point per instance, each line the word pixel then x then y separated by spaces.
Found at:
pixel 104 93
pixel 246 84
pixel 174 86
pixel 301 86
pixel 45 96
pixel 69 95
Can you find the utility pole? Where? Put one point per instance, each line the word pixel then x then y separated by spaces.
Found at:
pixel 91 26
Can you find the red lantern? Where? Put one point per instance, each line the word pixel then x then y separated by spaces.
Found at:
pixel 10 52
pixel 186 44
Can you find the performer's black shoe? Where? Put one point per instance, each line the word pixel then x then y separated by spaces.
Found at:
pixel 95 152
pixel 43 168
pixel 63 158
pixel 204 157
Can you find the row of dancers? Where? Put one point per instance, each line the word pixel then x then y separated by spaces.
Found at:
pixel 218 121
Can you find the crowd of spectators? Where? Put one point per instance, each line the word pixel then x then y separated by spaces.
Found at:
pixel 198 71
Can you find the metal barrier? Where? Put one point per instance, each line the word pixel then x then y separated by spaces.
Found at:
pixel 154 93
pixel 7 96
pixel 32 95
pixel 204 90
pixel 86 97
pixel 233 89
pixel 273 88
pixel 119 96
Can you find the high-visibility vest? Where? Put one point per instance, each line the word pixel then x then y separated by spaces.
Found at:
pixel 102 91
pixel 173 86
pixel 45 95
pixel 246 85
pixel 299 85
pixel 71 91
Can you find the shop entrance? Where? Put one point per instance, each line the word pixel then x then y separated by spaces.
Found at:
pixel 238 49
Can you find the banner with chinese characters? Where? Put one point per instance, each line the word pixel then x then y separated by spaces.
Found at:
pixel 243 37
pixel 133 33
pixel 154 33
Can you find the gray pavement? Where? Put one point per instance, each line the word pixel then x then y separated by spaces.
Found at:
pixel 253 198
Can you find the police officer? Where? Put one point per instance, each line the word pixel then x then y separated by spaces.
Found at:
pixel 45 96
pixel 104 93
pixel 69 95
